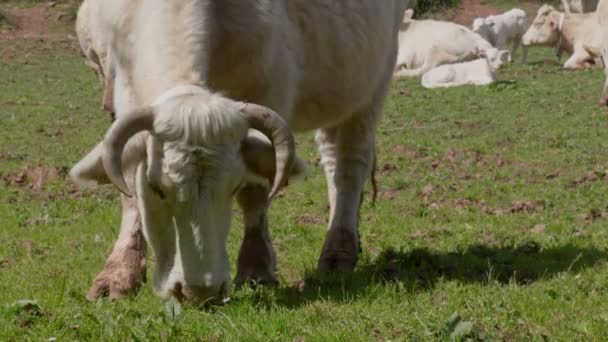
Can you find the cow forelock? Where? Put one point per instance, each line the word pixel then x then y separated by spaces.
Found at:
pixel 200 118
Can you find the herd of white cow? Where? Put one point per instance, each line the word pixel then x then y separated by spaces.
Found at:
pixel 447 54
pixel 204 97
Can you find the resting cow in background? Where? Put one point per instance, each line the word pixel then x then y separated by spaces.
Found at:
pixel 425 44
pixel 185 90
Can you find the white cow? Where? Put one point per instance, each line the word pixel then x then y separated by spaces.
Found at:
pixel 94 46
pixel 478 72
pixel 178 146
pixel 503 29
pixel 579 6
pixel 570 32
pixel 425 44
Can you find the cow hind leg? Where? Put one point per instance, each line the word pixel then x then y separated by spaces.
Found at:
pixel 347 156
pixel 257 260
pixel 125 268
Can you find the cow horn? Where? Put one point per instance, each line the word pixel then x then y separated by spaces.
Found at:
pixel 272 125
pixel 117 137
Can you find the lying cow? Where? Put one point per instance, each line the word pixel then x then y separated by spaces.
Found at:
pixel 503 29
pixel 478 72
pixel 178 150
pixel 570 32
pixel 425 44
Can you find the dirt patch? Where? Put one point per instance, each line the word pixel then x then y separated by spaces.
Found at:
pixel 404 151
pixel 517 207
pixel 308 219
pixel 457 159
pixel 524 207
pixel 594 215
pixel 467 10
pixel 33 178
pixel 389 194
pixel 590 177
pixel 389 168
pixel 38 22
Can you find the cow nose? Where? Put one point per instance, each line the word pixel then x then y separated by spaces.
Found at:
pixel 205 295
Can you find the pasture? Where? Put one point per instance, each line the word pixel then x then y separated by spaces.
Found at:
pixel 492 206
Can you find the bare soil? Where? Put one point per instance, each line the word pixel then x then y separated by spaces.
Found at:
pixel 38 22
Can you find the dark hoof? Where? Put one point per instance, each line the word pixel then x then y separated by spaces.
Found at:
pixel 340 251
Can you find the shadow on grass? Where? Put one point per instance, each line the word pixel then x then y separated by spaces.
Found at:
pixel 420 270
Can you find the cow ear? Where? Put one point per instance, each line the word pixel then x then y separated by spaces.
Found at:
pixel 89 171
pixel 409 13
pixel 259 157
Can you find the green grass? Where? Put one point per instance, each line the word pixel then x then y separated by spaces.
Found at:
pixel 455 237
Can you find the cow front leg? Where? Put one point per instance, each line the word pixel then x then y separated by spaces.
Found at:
pixel 257 260
pixel 347 154
pixel 125 268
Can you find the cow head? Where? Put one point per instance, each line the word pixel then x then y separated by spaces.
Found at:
pixel 496 58
pixel 484 27
pixel 408 17
pixel 196 158
pixel 545 28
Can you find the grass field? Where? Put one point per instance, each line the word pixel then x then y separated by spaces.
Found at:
pixel 492 206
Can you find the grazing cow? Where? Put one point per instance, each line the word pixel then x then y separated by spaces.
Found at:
pixel 94 46
pixel 570 32
pixel 425 44
pixel 185 90
pixel 478 72
pixel 503 29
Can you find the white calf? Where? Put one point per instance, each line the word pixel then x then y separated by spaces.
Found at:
pixel 478 72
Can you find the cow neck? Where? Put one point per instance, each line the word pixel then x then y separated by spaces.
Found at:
pixel 171 52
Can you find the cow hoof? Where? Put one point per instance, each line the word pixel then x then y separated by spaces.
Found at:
pixel 118 279
pixel 340 251
pixel 257 261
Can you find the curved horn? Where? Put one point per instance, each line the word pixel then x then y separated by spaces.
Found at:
pixel 276 129
pixel 117 137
